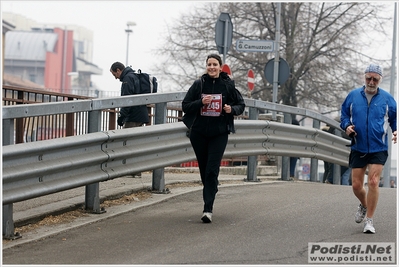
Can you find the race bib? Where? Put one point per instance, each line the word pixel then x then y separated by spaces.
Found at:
pixel 213 109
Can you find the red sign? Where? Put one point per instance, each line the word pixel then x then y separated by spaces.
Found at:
pixel 226 68
pixel 305 168
pixel 251 79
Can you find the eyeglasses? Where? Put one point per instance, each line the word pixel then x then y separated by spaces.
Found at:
pixel 368 79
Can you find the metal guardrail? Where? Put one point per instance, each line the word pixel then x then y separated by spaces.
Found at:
pixel 38 168
pixel 37 109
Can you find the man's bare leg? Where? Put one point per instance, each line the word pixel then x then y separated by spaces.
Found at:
pixel 374 175
pixel 358 185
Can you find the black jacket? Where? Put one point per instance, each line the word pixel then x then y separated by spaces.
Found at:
pixel 130 86
pixel 192 104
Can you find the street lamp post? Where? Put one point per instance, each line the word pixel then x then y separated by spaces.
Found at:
pixel 128 31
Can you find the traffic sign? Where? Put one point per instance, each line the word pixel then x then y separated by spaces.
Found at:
pixel 283 71
pixel 223 33
pixel 226 68
pixel 305 168
pixel 251 79
pixel 254 46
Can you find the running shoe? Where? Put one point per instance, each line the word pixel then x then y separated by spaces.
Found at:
pixel 368 226
pixel 207 217
pixel 360 214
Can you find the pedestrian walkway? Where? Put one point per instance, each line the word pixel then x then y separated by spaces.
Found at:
pixel 33 210
pixel 30 210
pixel 265 222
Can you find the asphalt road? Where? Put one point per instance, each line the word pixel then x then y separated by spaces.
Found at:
pixel 254 223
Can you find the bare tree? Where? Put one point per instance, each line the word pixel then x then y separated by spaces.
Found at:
pixel 321 42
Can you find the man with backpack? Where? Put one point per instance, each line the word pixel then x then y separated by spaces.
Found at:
pixel 134 116
pixel 129 116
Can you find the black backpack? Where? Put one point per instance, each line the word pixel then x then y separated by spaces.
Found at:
pixel 148 83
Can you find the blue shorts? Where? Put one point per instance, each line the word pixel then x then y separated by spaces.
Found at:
pixel 360 160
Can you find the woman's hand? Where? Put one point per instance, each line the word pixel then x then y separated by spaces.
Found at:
pixel 227 108
pixel 207 99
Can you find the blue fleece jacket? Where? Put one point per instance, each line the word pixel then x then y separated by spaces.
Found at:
pixel 371 120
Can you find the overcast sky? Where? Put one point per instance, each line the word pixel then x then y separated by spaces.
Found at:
pixel 107 20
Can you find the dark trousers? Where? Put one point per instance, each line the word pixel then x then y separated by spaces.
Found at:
pixel 209 152
pixel 328 172
pixel 293 161
pixel 131 124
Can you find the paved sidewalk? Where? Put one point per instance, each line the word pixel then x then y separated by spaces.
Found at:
pixel 263 223
pixel 33 210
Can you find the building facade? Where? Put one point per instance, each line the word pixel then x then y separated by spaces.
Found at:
pixel 57 57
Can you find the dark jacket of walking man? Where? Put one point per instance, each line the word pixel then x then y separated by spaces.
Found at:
pixel 129 116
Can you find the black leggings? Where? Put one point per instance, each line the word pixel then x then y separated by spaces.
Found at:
pixel 209 152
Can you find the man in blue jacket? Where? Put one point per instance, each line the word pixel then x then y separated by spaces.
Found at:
pixel 366 114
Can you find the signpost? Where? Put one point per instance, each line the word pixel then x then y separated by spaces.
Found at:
pixel 276 58
pixel 223 34
pixel 254 46
pixel 283 71
pixel 226 68
pixel 251 79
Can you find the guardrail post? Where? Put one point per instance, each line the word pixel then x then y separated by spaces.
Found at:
pixel 8 223
pixel 314 163
pixel 158 175
pixel 252 160
pixel 92 191
pixel 8 219
pixel 336 174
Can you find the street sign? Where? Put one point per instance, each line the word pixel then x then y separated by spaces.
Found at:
pixel 226 68
pixel 283 71
pixel 251 79
pixel 305 168
pixel 254 46
pixel 223 33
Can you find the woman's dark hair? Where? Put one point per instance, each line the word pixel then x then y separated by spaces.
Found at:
pixel 116 66
pixel 215 56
